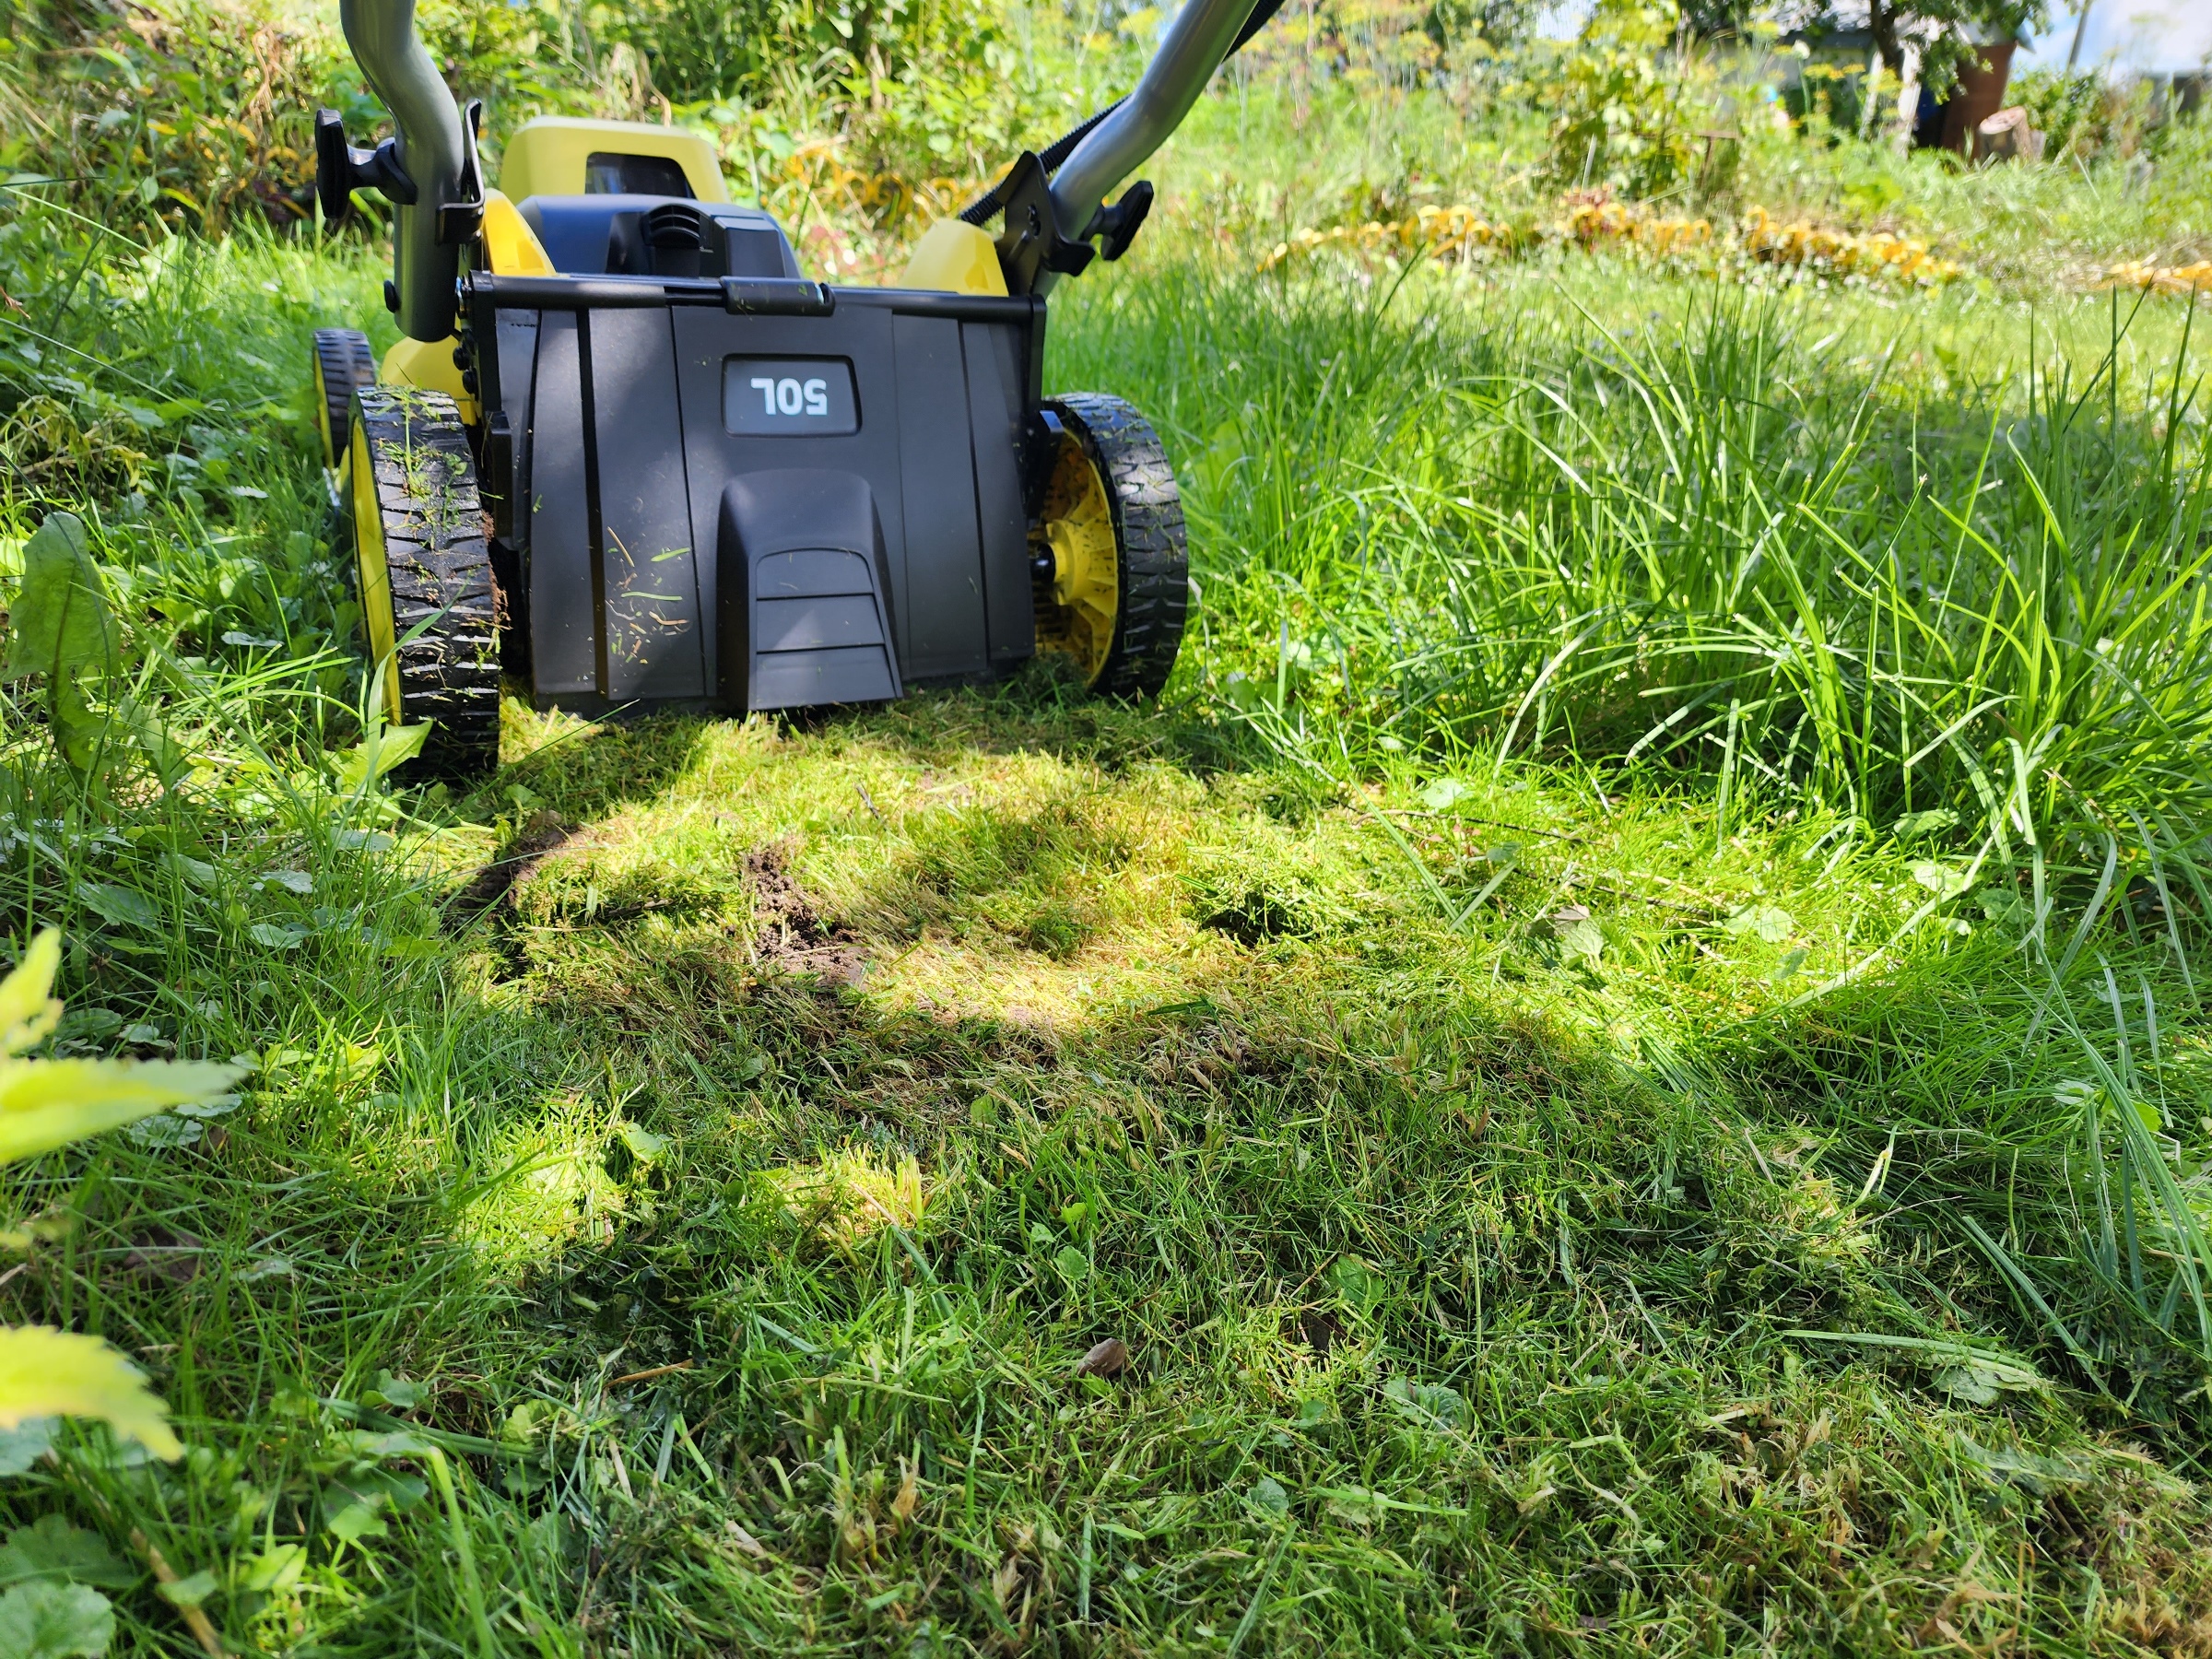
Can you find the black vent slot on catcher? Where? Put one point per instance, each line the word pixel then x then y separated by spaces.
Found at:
pixel 676 235
pixel 804 591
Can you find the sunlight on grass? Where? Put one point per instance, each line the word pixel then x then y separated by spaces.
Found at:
pixel 551 1185
pixel 846 1196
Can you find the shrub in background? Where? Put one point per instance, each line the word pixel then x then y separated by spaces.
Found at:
pixel 190 115
pixel 1623 119
pixel 186 116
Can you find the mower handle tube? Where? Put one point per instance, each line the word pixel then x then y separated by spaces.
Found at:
pixel 431 152
pixel 1201 36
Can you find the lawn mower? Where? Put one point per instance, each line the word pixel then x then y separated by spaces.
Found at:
pixel 628 454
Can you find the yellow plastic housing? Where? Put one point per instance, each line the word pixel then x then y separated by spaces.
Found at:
pixel 547 156
pixel 510 247
pixel 375 572
pixel 429 364
pixel 955 257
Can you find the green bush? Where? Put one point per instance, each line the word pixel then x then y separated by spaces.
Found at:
pixel 179 115
pixel 1623 120
pixel 187 115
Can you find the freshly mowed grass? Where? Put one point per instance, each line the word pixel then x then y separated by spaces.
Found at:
pixel 1454 1266
pixel 1547 1201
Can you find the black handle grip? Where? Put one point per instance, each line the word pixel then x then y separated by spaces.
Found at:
pixel 341 169
pixel 1120 223
pixel 776 297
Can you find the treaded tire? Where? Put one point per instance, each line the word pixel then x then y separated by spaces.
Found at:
pixel 344 363
pixel 412 469
pixel 1153 584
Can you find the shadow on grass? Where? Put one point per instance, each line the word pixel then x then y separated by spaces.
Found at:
pixel 1443 1327
pixel 1417 1293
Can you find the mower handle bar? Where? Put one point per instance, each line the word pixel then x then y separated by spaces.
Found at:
pixel 1203 34
pixel 433 151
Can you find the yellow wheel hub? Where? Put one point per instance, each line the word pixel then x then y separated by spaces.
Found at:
pixel 376 575
pixel 330 457
pixel 1086 597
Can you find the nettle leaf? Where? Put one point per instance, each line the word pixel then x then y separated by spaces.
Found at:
pixel 40 1620
pixel 59 621
pixel 26 1013
pixel 49 1103
pixel 47 1373
pixel 53 1102
pixel 51 1548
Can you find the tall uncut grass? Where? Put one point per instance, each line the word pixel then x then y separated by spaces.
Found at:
pixel 1819 568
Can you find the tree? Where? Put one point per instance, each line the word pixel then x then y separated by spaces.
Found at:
pixel 1944 33
pixel 1501 23
pixel 1710 20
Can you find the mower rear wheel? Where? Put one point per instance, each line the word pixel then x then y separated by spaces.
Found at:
pixel 429 602
pixel 344 363
pixel 1113 570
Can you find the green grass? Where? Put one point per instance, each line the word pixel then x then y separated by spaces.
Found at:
pixel 1557 1191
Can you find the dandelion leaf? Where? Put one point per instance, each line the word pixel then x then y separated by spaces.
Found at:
pixel 379 753
pixel 59 621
